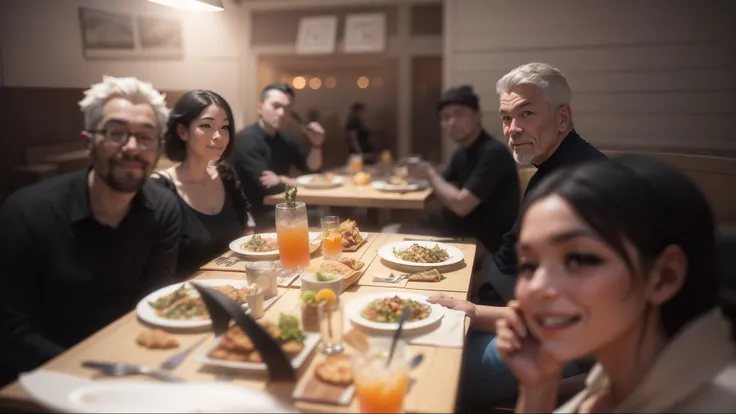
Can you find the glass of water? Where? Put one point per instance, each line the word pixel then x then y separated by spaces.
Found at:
pixel 330 327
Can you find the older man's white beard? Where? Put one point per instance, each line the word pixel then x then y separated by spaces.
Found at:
pixel 524 157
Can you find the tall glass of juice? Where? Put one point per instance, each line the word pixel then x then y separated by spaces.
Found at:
pixel 381 388
pixel 331 237
pixel 292 234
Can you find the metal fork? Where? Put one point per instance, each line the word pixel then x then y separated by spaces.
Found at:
pixel 391 278
pixel 173 362
pixel 222 259
pixel 119 369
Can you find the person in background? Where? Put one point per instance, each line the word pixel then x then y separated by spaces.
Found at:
pixel 479 190
pixel 359 135
pixel 214 208
pixel 81 249
pixel 537 124
pixel 618 260
pixel 264 152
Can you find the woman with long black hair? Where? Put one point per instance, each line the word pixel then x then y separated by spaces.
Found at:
pixel 618 260
pixel 215 211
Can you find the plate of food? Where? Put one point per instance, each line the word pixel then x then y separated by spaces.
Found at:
pixel 180 305
pixel 67 393
pixel 325 180
pixel 234 349
pixel 382 310
pixel 266 244
pixel 352 237
pixel 426 254
pixel 399 184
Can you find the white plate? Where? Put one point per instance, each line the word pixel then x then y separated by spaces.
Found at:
pixel 387 253
pixel 146 312
pixel 306 181
pixel 63 392
pixel 381 185
pixel 354 308
pixel 236 244
pixel 311 341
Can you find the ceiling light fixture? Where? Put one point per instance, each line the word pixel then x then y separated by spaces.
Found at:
pixel 195 5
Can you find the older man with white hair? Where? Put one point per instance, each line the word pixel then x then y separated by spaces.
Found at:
pixel 81 249
pixel 537 123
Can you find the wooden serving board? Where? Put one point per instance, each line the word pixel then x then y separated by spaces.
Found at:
pixel 356 247
pixel 315 391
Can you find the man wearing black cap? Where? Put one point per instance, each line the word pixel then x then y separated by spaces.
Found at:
pixel 479 190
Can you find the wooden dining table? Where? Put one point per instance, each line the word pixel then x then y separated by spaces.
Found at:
pixel 435 381
pixel 350 194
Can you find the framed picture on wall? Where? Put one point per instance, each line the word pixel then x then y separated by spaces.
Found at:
pixel 365 33
pixel 317 35
pixel 115 35
pixel 103 30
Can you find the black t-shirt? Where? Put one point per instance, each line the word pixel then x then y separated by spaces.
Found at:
pixel 255 151
pixel 572 150
pixel 487 169
pixel 360 128
pixel 204 236
pixel 66 275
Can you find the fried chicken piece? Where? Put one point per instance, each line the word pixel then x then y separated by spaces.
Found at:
pixel 156 339
pixel 350 233
pixel 272 328
pixel 238 295
pixel 239 340
pixel 292 348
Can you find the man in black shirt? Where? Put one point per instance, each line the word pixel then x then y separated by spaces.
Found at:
pixel 264 153
pixel 479 190
pixel 81 249
pixel 537 123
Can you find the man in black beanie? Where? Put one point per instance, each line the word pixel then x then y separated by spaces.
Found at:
pixel 479 190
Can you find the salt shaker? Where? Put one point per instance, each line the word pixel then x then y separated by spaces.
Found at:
pixel 256 301
pixel 263 274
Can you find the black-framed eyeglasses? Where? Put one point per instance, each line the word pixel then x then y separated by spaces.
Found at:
pixel 145 140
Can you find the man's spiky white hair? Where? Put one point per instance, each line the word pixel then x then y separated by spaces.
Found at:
pixel 131 88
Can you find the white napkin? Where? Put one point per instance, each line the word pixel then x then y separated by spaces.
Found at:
pixel 448 333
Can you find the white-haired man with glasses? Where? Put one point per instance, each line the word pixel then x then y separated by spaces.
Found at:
pixel 79 250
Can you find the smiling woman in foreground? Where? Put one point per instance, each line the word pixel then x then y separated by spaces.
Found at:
pixel 617 260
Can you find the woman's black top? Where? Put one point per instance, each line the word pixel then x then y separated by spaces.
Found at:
pixel 204 236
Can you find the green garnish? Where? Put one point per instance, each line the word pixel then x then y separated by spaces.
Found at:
pixel 289 326
pixel 308 296
pixel 290 196
pixel 321 277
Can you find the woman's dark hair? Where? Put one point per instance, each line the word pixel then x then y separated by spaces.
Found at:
pixel 186 110
pixel 652 205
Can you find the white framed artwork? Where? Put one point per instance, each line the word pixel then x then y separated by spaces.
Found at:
pixel 317 35
pixel 365 33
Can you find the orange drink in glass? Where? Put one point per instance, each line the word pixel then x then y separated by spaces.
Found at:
pixel 381 388
pixel 331 237
pixel 355 163
pixel 292 234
